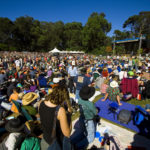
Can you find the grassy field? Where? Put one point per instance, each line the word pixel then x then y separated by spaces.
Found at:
pixel 142 103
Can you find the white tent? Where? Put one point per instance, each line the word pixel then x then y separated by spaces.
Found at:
pixel 55 50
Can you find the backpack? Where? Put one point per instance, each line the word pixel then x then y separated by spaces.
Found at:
pixel 140 115
pixel 124 116
pixel 31 143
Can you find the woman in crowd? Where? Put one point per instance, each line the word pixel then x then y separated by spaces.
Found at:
pixel 56 129
pixel 113 92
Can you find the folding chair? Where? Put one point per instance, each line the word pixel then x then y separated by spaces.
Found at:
pixel 22 110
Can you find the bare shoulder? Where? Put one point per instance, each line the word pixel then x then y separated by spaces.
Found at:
pixel 62 110
pixel 61 113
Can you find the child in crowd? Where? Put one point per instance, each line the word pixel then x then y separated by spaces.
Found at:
pixel 14 96
pixel 104 87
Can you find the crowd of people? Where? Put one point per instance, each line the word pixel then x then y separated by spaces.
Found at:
pixel 39 92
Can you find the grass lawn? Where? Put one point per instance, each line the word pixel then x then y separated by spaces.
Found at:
pixel 142 103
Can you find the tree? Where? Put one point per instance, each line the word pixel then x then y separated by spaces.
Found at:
pixel 94 32
pixel 108 49
pixel 120 35
pixel 139 24
pixel 73 36
pixel 23 36
pixel 6 33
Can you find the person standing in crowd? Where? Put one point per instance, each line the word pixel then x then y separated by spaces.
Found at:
pixel 56 130
pixel 17 62
pixel 72 73
pixel 80 81
pixel 2 76
pixel 87 114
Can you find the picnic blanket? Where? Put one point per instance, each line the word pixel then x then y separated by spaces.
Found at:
pixel 104 113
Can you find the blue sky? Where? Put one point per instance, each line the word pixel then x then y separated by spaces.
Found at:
pixel 117 11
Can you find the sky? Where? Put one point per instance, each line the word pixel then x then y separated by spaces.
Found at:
pixel 116 11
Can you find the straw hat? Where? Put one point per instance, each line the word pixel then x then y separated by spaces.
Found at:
pixel 29 97
pixel 114 84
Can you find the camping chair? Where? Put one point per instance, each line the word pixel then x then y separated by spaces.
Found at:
pixel 113 108
pixel 96 75
pixel 22 110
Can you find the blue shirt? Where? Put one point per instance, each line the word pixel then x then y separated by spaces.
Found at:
pixel 81 81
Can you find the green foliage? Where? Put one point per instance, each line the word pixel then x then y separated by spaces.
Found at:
pixel 139 24
pixel 94 32
pixel 3 47
pixel 27 34
pixel 73 36
pixel 119 49
pixel 119 35
pixel 140 51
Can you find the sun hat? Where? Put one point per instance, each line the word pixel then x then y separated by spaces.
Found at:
pixel 19 85
pixel 29 97
pixel 14 125
pixel 49 67
pixel 13 80
pixel 138 72
pixel 131 73
pixel 86 92
pixel 56 80
pixel 114 84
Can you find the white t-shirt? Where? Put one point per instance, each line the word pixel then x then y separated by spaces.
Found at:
pixel 116 72
pixel 122 74
pixel 126 65
pixel 17 62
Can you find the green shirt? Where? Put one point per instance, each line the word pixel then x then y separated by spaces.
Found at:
pixel 89 109
pixel 112 93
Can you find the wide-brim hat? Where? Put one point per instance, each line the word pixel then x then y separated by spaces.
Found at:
pixel 86 92
pixel 14 125
pixel 131 73
pixel 114 84
pixel 56 80
pixel 29 98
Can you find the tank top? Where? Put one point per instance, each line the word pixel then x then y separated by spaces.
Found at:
pixel 47 115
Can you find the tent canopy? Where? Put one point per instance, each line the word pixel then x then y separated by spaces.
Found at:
pixel 55 50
